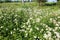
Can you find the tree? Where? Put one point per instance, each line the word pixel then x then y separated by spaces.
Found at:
pixel 22 1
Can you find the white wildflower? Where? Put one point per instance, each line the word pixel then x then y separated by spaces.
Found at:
pixel 45 36
pixel 23 26
pixel 37 28
pixel 16 15
pixel 14 29
pixel 31 18
pixel 49 34
pixel 11 32
pixel 51 19
pixel 29 26
pixel 37 19
pixel 57 25
pixel 17 28
pixel 33 21
pixel 57 38
pixel 49 29
pixel 46 26
pixel 50 38
pixel 57 34
pixel 30 30
pixel 53 30
pixel 43 24
pixel 26 34
pixel 17 39
pixel 6 29
pixel 56 28
pixel 42 30
pixel 28 21
pixel 5 14
pixel 1 26
pixel 15 20
pixel 54 21
pixel 23 30
pixel 58 16
pixel 34 36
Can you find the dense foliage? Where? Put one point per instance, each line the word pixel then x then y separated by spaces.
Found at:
pixel 29 22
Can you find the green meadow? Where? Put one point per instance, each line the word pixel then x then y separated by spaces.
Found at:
pixel 29 21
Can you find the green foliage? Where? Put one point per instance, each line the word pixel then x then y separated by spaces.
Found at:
pixel 50 3
pixel 26 22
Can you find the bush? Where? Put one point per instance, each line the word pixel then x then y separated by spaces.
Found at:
pixel 50 3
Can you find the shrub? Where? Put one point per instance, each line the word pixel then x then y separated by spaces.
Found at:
pixel 50 3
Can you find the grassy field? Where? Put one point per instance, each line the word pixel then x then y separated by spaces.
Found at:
pixel 29 21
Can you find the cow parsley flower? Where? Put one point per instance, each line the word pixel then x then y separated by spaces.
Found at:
pixel 1 26
pixel 37 19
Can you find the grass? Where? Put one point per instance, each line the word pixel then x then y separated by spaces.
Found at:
pixel 29 21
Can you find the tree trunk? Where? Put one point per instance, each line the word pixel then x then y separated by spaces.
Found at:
pixel 22 1
pixel 40 2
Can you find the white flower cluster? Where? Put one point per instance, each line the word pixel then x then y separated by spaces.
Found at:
pixel 39 21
